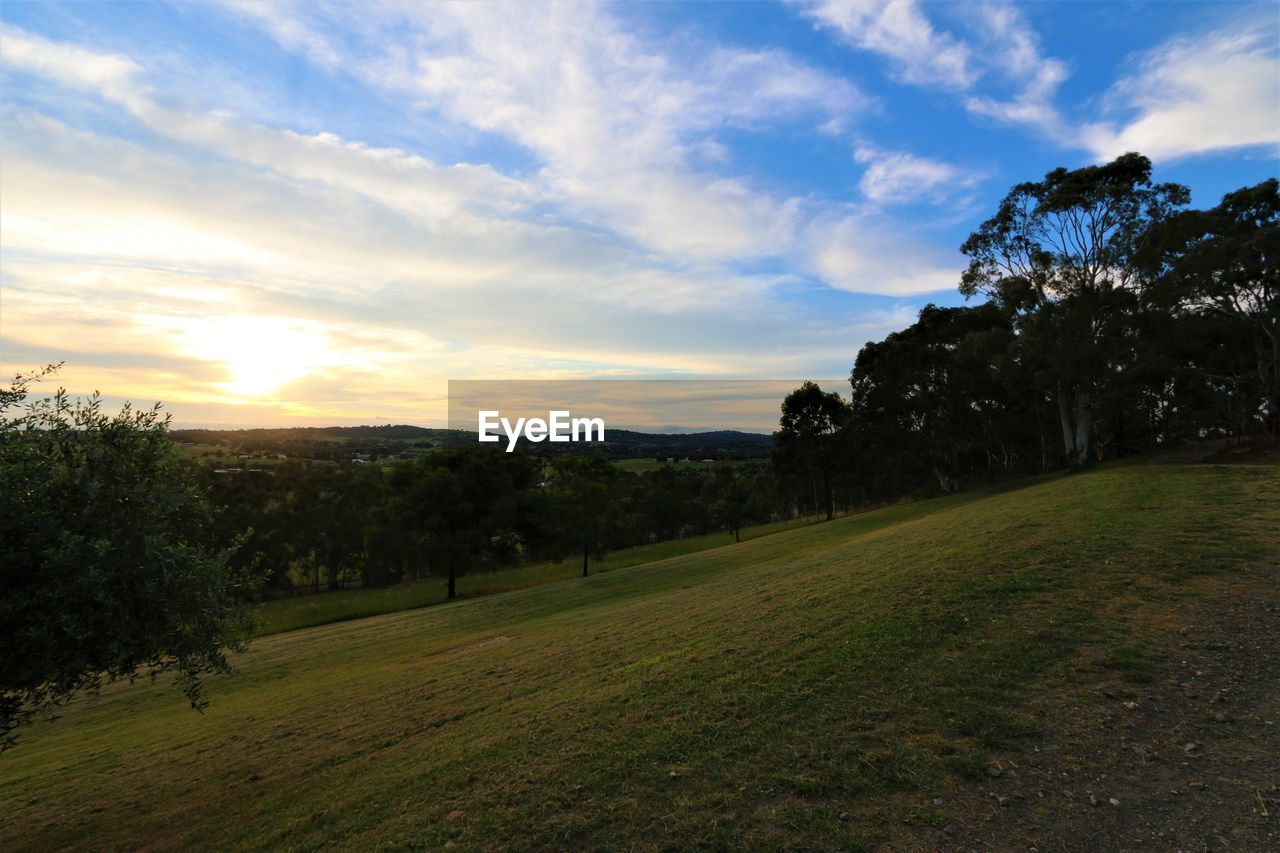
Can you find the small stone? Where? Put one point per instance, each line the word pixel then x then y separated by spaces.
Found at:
pixel 937 801
pixel 844 816
pixel 1132 706
pixel 1114 802
pixel 1093 800
pixel 951 829
pixel 993 771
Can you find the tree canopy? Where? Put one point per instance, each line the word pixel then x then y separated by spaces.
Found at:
pixel 109 570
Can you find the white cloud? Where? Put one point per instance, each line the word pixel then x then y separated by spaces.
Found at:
pixel 614 254
pixel 863 254
pixel 407 183
pixel 897 177
pixel 623 126
pixel 1012 46
pixel 70 65
pixel 278 20
pixel 1005 53
pixel 897 29
pixel 613 119
pixel 1192 95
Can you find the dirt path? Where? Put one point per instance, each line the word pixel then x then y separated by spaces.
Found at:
pixel 1189 761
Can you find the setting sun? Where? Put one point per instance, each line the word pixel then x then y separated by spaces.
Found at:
pixel 259 354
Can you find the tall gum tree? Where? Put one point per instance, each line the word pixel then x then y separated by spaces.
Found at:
pixel 1057 254
pixel 1224 263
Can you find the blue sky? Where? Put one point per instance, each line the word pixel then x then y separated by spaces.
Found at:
pixel 303 213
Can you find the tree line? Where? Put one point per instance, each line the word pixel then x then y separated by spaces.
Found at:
pixel 1113 321
pixel 470 508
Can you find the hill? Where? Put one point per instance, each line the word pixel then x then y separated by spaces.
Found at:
pixel 944 671
pixel 325 442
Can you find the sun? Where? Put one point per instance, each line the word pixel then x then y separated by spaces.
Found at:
pixel 260 354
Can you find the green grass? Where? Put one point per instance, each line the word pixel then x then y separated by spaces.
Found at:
pixel 306 611
pixel 744 696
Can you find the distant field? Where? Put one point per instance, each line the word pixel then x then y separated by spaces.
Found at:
pixel 773 693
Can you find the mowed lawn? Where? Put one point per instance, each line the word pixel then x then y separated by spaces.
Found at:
pixel 768 693
pixel 305 611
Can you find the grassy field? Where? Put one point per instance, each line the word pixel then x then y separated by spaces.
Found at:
pixel 306 611
pixel 766 694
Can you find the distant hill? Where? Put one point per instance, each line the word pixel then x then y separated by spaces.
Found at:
pixel 618 443
pixel 388 432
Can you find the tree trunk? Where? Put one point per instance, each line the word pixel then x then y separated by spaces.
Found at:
pixel 453 584
pixel 586 553
pixel 1077 421
pixel 1084 423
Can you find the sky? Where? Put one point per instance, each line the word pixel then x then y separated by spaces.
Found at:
pixel 274 214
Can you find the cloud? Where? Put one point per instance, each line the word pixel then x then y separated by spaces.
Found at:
pixel 404 182
pixel 281 24
pixel 1193 95
pixel 862 254
pixel 69 64
pixel 897 177
pixel 614 120
pixel 1013 47
pixel 899 31
pixel 378 271
pixel 1004 53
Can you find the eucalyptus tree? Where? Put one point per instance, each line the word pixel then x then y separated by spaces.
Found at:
pixel 808 439
pixel 1061 255
pixel 1220 270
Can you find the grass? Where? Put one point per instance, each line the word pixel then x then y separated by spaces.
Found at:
pixel 306 611
pixel 743 696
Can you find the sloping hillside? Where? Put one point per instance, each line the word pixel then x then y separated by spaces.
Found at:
pixel 836 685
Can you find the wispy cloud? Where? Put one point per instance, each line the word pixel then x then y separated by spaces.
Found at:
pixel 1003 52
pixel 1012 47
pixel 899 31
pixel 898 177
pixel 1195 94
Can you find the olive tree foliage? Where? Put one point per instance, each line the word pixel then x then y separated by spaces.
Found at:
pixel 108 570
pixel 1061 254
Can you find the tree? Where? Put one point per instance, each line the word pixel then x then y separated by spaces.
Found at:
pixel 1056 252
pixel 938 396
pixel 1222 267
pixel 109 570
pixel 734 499
pixel 585 503
pixel 459 506
pixel 810 422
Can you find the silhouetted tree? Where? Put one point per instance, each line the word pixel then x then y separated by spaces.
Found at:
pixel 1057 252
pixel 811 420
